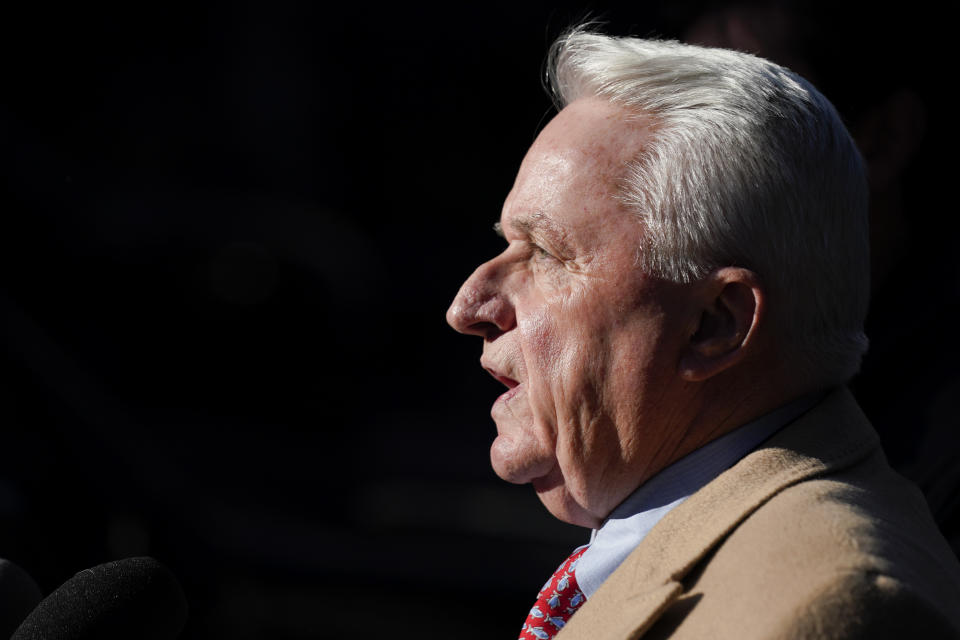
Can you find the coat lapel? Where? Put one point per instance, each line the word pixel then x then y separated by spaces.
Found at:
pixel 831 436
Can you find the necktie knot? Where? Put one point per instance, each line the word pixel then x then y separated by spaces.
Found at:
pixel 559 598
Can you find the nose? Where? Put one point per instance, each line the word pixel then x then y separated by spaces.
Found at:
pixel 481 307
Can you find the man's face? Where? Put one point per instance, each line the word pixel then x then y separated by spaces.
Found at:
pixel 586 344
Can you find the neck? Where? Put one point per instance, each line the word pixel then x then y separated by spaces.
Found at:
pixel 731 400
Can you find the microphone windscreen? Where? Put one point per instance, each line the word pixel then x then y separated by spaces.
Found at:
pixel 19 594
pixel 131 598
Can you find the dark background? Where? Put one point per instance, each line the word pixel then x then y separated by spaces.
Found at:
pixel 229 233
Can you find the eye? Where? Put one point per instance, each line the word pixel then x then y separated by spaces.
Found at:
pixel 539 252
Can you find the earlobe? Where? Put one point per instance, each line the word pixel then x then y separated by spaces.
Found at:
pixel 731 310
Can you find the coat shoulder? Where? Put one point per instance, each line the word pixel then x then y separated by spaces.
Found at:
pixel 867 605
pixel 848 555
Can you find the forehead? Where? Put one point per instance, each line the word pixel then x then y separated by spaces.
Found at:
pixel 573 170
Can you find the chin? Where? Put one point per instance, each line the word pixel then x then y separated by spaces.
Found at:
pixel 519 460
pixel 555 496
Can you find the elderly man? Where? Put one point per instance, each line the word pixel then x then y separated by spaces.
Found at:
pixel 678 305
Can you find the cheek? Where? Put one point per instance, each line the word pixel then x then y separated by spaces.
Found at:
pixel 583 381
pixel 546 353
pixel 564 351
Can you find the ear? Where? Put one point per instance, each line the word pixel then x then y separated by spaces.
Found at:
pixel 731 307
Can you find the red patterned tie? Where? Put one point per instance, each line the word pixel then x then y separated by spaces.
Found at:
pixel 556 602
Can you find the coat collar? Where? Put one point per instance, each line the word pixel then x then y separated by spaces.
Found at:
pixel 831 436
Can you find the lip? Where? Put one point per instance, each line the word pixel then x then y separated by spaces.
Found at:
pixel 509 393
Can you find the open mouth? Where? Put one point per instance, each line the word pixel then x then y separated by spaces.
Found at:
pixel 509 382
pixel 513 386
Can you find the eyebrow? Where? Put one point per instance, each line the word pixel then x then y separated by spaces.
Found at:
pixel 537 225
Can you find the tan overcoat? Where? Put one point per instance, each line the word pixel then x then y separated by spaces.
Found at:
pixel 812 535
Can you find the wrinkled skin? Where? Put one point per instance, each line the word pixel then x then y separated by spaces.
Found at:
pixel 586 343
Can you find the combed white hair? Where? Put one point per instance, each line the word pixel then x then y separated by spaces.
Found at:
pixel 749 166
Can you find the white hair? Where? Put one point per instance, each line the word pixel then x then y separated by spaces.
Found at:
pixel 749 166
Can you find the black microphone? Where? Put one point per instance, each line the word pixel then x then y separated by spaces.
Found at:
pixel 131 598
pixel 19 594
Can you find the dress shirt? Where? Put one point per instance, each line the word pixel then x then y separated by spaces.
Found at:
pixel 630 522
